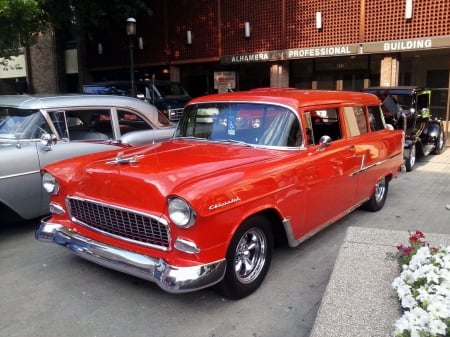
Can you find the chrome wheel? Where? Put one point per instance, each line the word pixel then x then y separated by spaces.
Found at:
pixel 380 190
pixel 250 255
pixel 379 195
pixel 248 258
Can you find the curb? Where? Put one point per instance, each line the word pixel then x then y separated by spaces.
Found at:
pixel 359 300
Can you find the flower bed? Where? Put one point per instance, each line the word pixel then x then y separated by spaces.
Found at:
pixel 423 288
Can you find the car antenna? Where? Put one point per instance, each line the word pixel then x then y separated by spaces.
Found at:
pixel 153 89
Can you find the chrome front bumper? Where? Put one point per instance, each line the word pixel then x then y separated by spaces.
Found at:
pixel 170 278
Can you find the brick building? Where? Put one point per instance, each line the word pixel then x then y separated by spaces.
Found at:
pixel 213 45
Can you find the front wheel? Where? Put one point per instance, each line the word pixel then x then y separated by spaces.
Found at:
pixel 439 145
pixel 379 195
pixel 248 258
pixel 410 158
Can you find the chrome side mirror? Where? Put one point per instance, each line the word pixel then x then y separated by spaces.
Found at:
pixel 324 142
pixel 48 140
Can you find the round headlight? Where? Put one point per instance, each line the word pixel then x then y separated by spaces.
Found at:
pixel 49 183
pixel 181 213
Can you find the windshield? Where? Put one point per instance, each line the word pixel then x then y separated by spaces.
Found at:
pixel 171 89
pixel 22 124
pixel 251 123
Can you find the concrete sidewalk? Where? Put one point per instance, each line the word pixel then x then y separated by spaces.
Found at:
pixel 359 300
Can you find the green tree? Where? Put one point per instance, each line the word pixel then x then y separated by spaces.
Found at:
pixel 73 19
pixel 20 23
pixel 22 20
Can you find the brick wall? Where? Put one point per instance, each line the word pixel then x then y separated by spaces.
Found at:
pixel 43 66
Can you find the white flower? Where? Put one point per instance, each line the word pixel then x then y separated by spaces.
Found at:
pixel 438 309
pixel 437 327
pixel 424 295
pixel 423 288
pixel 419 317
pixel 408 301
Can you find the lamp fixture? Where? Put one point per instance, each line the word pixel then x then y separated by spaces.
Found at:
pixel 100 48
pixel 408 9
pixel 247 29
pixel 318 20
pixel 141 43
pixel 189 37
pixel 131 32
pixel 131 26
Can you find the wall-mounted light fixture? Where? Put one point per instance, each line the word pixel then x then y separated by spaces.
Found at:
pixel 318 20
pixel 131 32
pixel 408 9
pixel 141 43
pixel 189 37
pixel 100 48
pixel 247 29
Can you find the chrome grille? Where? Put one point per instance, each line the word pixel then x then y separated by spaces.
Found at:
pixel 175 114
pixel 121 223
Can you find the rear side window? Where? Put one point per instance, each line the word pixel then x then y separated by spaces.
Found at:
pixel 129 121
pixel 355 121
pixel 324 122
pixel 376 118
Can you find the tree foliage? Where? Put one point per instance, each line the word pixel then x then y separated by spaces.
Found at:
pixel 22 20
pixel 20 23
pixel 94 16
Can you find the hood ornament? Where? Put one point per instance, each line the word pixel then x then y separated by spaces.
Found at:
pixel 120 160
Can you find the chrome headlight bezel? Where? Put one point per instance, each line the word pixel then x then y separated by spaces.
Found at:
pixel 49 183
pixel 180 212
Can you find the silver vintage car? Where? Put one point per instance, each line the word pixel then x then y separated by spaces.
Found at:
pixel 36 131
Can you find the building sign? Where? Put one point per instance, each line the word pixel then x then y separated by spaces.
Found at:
pixel 407 44
pixel 12 67
pixel 321 51
pixel 224 80
pixel 252 57
pixel 341 50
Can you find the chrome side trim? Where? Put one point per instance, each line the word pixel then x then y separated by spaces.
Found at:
pixel 293 242
pixel 19 174
pixel 365 168
pixel 170 278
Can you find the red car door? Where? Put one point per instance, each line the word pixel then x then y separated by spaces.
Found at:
pixel 330 178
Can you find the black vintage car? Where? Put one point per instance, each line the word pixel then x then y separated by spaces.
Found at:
pixel 408 108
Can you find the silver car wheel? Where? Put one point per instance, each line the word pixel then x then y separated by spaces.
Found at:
pixel 250 255
pixel 380 190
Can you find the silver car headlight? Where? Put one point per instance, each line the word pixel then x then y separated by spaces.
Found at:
pixel 50 184
pixel 181 213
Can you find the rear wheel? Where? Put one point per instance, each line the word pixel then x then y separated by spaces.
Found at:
pixel 248 258
pixel 379 195
pixel 410 158
pixel 440 140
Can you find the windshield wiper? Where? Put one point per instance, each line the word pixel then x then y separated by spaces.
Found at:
pixel 191 138
pixel 233 141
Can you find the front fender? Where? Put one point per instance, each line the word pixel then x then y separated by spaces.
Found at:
pixel 431 132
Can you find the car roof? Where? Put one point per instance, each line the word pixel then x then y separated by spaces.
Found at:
pixel 66 101
pixel 125 82
pixel 292 97
pixel 399 90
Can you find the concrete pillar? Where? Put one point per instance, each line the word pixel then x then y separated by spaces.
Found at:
pixel 389 71
pixel 279 74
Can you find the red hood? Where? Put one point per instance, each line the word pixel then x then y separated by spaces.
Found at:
pixel 183 168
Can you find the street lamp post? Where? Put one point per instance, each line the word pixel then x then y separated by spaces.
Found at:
pixel 131 32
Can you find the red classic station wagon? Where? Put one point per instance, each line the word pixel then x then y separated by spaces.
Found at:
pixel 245 171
